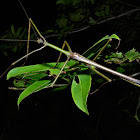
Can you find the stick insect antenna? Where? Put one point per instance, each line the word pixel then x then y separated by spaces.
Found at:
pixel 23 9
pixel 27 17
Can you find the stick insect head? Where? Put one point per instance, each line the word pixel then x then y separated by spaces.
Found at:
pixel 40 41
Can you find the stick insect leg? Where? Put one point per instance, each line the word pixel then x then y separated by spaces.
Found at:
pixel 65 43
pixel 60 54
pixel 21 59
pixel 99 73
pixel 102 49
pixel 96 71
pixel 60 72
pixel 29 29
pixel 31 23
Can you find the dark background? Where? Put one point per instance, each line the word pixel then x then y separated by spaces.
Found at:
pixel 46 115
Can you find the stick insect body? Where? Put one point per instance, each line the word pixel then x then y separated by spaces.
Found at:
pixel 71 55
pixel 80 58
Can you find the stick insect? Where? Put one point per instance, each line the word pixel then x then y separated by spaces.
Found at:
pixel 70 55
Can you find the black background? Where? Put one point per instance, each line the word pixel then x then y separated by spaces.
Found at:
pixel 53 116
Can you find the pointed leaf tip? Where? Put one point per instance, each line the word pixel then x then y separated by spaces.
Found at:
pixel 36 86
pixel 80 91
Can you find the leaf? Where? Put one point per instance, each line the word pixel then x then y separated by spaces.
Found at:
pixel 136 113
pixel 37 68
pixel 50 31
pixel 136 117
pixel 77 16
pixel 97 14
pixel 28 69
pixel 36 86
pixel 62 22
pixel 23 33
pixel 13 29
pixel 60 2
pixel 102 13
pixel 76 2
pixel 19 83
pixel 120 69
pixel 92 1
pixel 132 55
pixel 119 55
pixel 19 31
pixel 113 36
pixel 59 88
pixel 91 20
pixel 80 91
pixel 107 9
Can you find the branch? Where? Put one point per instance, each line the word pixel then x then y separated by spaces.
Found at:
pixel 100 22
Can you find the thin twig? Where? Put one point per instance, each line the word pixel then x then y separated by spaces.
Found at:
pixel 18 40
pixel 100 22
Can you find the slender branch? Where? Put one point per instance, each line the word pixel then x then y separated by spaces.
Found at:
pixel 126 3
pixel 100 22
pixel 83 28
pixel 18 40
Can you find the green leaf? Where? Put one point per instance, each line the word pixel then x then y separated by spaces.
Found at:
pixel 137 108
pixel 80 91
pixel 88 51
pixel 13 29
pixel 62 22
pixel 34 76
pixel 92 1
pixel 132 55
pixel 97 13
pixel 25 80
pixel 91 20
pixel 60 2
pixel 77 16
pixel 19 83
pixel 136 117
pixel 19 31
pixel 119 55
pixel 37 68
pixel 76 2
pixel 36 86
pixel 59 88
pixel 28 69
pixel 115 37
pixel 120 69
pixel 102 13
pixel 107 9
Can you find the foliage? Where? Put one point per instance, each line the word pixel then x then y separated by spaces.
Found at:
pixel 37 77
pixel 32 77
pixel 80 91
pixel 83 12
pixel 12 46
pixel 72 14
pixel 76 14
pixel 120 58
